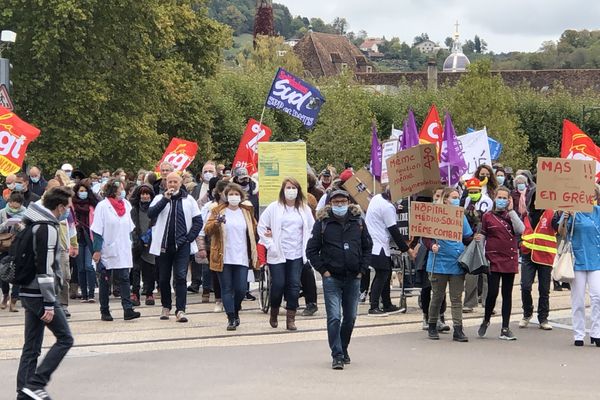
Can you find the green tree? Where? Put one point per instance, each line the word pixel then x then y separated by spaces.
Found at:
pixel 340 25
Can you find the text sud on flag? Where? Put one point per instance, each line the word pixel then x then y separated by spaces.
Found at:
pixel 295 97
pixel 180 153
pixel 15 136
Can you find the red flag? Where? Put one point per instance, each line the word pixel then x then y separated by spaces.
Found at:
pixel 15 136
pixel 578 145
pixel 432 130
pixel 180 153
pixel 247 152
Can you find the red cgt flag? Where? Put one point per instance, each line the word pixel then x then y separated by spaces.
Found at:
pixel 247 152
pixel 579 146
pixel 15 136
pixel 180 153
pixel 432 130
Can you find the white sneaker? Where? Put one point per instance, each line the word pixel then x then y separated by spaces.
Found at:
pixel 39 394
pixel 524 322
pixel 218 307
pixel 546 326
pixel 425 324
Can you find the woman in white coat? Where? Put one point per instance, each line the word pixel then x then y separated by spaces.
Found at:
pixel 284 229
pixel 111 228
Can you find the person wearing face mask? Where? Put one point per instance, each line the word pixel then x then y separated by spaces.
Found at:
pixel 280 228
pixel 22 186
pixel 444 270
pixel 111 230
pixel 501 177
pixel 232 230
pixel 37 183
pixel 476 204
pixel 241 177
pixel 84 204
pixel 382 225
pixel 209 171
pixel 14 210
pixel 141 177
pixel 325 179
pixel 523 195
pixel 486 176
pixel 67 169
pixel 178 223
pixel 144 267
pixel 340 250
pixel 500 231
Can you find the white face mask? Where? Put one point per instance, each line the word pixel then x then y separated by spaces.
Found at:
pixel 208 176
pixel 291 194
pixel 234 199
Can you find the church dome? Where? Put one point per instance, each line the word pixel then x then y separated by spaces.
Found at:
pixel 456 62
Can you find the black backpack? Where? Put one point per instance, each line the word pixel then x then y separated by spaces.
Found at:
pixel 18 266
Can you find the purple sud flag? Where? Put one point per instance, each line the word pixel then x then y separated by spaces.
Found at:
pixel 295 97
pixel 410 138
pixel 452 162
pixel 375 153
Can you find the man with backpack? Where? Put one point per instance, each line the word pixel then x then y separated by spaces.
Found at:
pixel 37 270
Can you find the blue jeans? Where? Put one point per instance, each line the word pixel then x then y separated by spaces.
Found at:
pixel 234 283
pixel 173 262
pixel 85 271
pixel 30 374
pixel 121 277
pixel 285 278
pixel 341 306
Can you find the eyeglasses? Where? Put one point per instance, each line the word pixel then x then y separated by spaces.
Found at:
pixel 339 202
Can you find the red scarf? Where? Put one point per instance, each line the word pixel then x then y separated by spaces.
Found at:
pixel 118 205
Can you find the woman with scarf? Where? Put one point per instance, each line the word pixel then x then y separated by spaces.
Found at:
pixel 84 203
pixel 500 230
pixel 143 261
pixel 522 195
pixel 111 228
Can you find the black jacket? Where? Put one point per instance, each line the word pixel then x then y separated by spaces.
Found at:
pixel 342 247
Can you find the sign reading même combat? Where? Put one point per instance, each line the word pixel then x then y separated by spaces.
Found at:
pixel 413 170
pixel 565 184
pixel 436 221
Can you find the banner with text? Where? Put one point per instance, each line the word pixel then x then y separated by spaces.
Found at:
pixel 247 152
pixel 564 184
pixel 180 153
pixel 295 97
pixel 413 170
pixel 476 151
pixel 15 136
pixel 436 221
pixel 276 161
pixel 388 149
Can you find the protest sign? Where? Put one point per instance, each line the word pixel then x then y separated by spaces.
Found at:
pixel 476 151
pixel 247 152
pixel 367 178
pixel 180 153
pixel 359 191
pixel 388 149
pixel 15 136
pixel 276 161
pixel 564 184
pixel 402 219
pixel 436 221
pixel 413 170
pixel 295 97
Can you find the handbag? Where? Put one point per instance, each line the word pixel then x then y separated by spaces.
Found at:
pixel 562 268
pixel 6 240
pixel 473 260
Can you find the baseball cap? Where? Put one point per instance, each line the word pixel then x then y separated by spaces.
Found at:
pixel 338 193
pixel 67 167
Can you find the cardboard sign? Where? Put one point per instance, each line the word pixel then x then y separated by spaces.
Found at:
pixel 436 221
pixel 367 178
pixel 564 184
pixel 413 170
pixel 247 152
pixel 15 136
pixel 359 191
pixel 276 161
pixel 388 149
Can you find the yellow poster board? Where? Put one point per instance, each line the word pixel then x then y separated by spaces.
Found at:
pixel 276 161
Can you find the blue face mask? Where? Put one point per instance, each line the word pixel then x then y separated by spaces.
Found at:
pixel 455 202
pixel 123 194
pixel 521 187
pixel 82 195
pixel 19 187
pixel 501 204
pixel 65 215
pixel 500 180
pixel 339 211
pixel 35 179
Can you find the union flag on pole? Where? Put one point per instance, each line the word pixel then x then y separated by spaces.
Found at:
pixel 180 153
pixel 432 131
pixel 15 136
pixel 579 146
pixel 247 152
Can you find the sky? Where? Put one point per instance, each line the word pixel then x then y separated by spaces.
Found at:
pixel 506 25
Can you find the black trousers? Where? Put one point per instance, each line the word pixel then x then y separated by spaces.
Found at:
pixel 508 280
pixel 380 290
pixel 146 272
pixel 309 284
pixel 365 281
pixel 544 272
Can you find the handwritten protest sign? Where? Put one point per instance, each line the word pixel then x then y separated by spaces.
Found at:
pixel 413 170
pixel 359 191
pixel 367 178
pixel 565 184
pixel 436 221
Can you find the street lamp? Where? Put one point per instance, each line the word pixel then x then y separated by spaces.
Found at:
pixel 6 39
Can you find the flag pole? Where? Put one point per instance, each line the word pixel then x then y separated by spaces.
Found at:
pixel 262 114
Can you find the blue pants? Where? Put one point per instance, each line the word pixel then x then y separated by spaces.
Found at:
pixel 341 305
pixel 234 284
pixel 285 278
pixel 174 262
pixel 85 271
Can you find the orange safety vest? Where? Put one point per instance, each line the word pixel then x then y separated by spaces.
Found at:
pixel 541 242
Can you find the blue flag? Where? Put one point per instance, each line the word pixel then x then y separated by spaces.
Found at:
pixel 295 97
